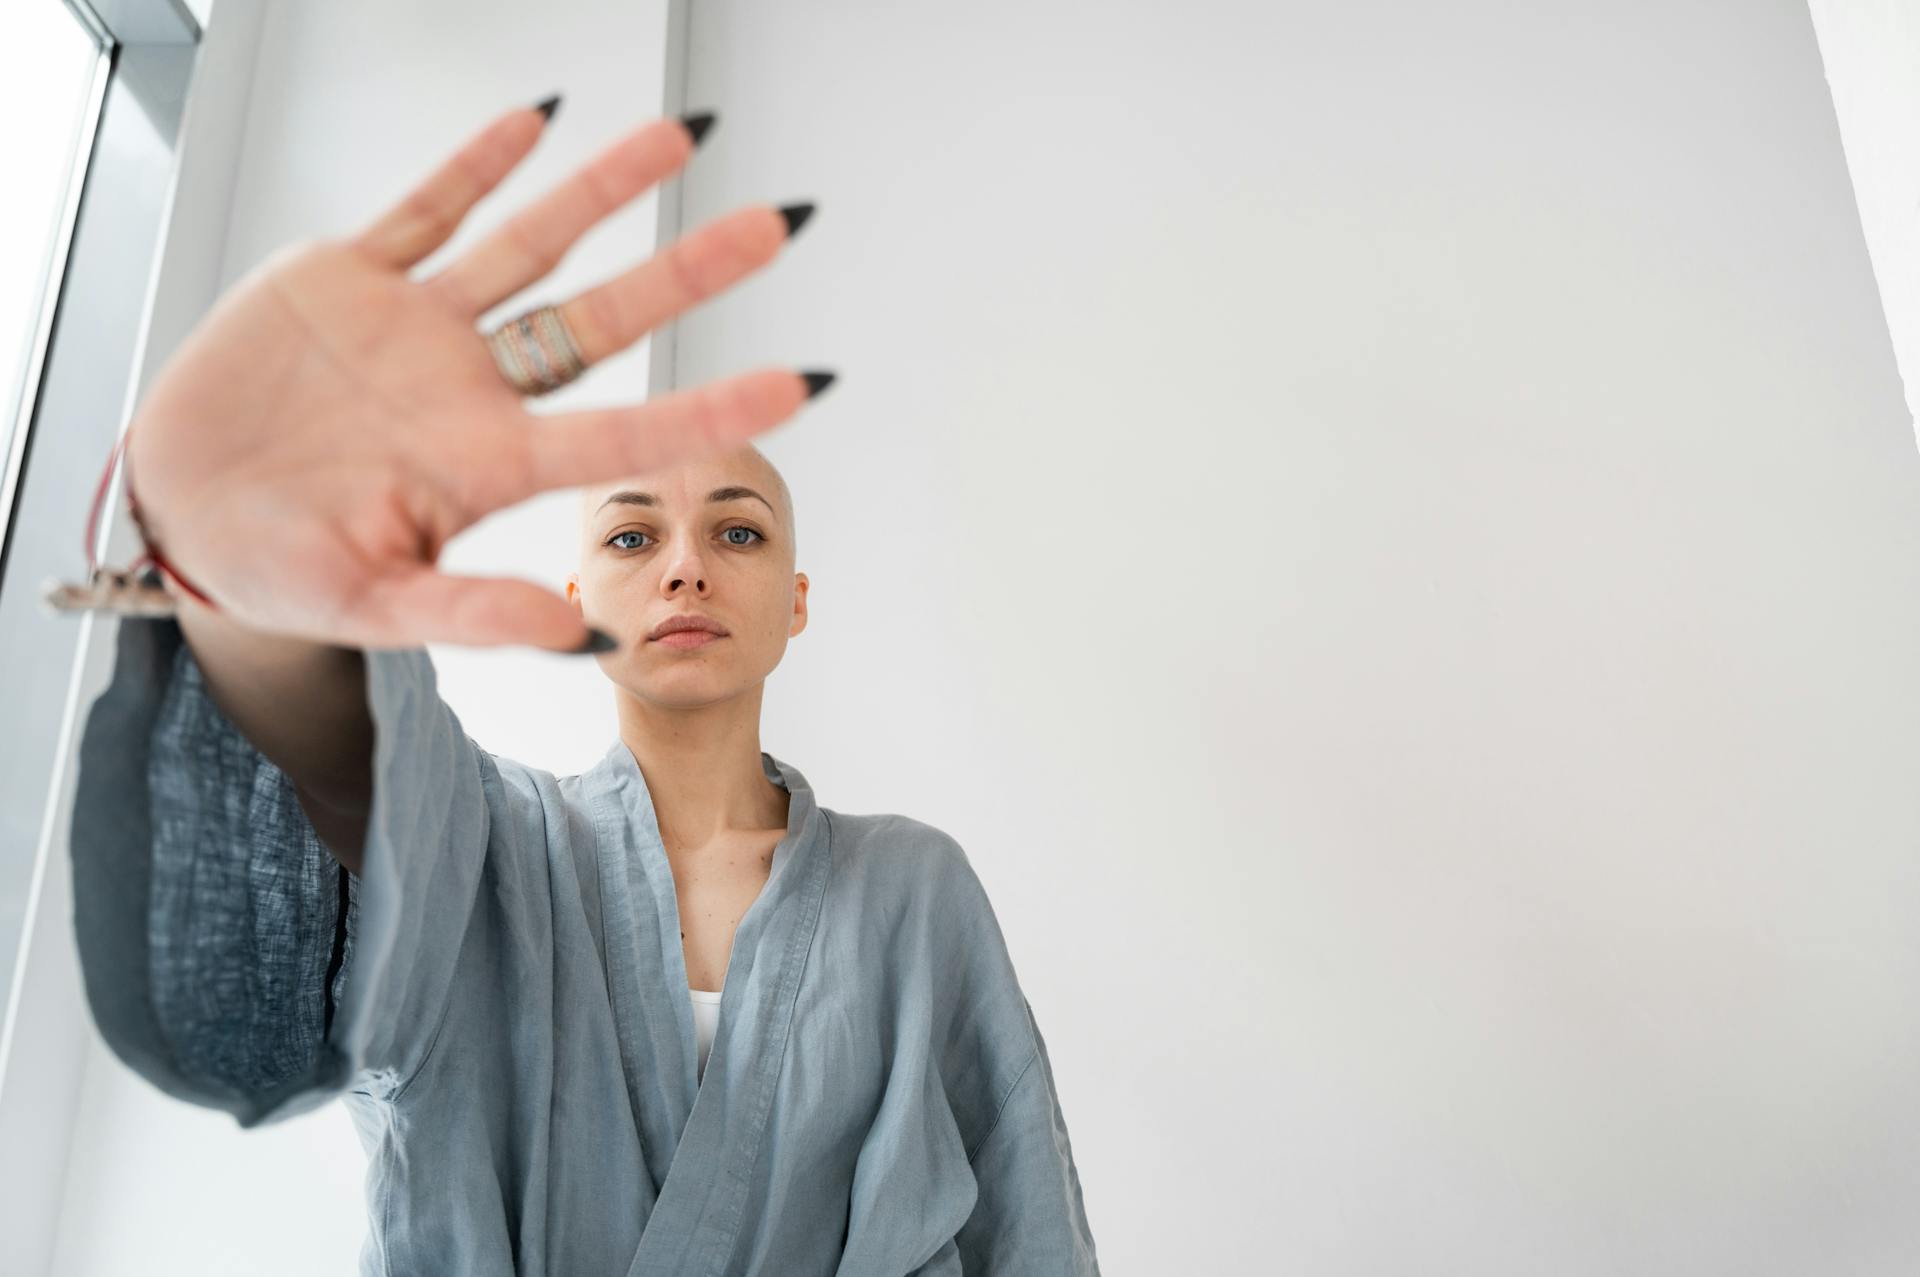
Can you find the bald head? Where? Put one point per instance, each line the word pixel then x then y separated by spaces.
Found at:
pixel 745 466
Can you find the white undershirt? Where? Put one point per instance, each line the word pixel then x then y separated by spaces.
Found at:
pixel 706 1018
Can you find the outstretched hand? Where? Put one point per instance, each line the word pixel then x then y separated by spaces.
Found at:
pixel 333 422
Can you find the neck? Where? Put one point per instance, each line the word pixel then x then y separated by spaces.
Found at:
pixel 702 768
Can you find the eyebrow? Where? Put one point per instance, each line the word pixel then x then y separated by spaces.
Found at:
pixel 735 492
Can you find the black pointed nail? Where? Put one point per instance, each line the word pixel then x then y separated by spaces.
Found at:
pixel 698 122
pixel 818 380
pixel 597 640
pixel 796 215
pixel 547 106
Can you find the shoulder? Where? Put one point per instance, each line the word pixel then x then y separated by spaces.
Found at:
pixel 909 855
pixel 893 836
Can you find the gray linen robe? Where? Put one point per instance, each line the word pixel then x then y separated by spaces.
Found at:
pixel 500 998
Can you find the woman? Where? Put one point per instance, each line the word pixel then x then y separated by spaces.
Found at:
pixel 297 878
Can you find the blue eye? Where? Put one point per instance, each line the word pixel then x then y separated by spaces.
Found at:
pixel 738 527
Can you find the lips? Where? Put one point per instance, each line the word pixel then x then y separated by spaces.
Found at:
pixel 680 624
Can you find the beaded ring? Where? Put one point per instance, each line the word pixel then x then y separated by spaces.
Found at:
pixel 537 351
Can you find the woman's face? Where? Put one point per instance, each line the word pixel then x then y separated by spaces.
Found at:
pixel 712 539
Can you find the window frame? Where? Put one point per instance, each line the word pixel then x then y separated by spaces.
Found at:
pixel 85 140
pixel 74 400
pixel 137 262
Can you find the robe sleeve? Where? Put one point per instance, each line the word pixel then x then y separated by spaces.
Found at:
pixel 1029 1216
pixel 227 956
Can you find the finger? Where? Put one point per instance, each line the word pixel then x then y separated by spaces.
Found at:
pixel 429 214
pixel 609 317
pixel 573 448
pixel 532 242
pixel 435 607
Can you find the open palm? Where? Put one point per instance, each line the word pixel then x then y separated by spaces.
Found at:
pixel 333 422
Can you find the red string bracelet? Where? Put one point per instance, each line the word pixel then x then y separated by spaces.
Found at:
pixel 152 553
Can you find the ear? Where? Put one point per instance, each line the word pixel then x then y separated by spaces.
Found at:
pixel 800 584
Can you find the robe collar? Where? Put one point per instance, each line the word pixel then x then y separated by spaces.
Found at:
pixel 701 1138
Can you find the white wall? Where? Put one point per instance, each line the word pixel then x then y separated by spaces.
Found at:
pixel 1388 531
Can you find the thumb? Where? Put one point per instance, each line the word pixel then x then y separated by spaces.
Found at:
pixel 428 606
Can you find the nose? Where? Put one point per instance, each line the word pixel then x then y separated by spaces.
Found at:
pixel 686 575
pixel 686 572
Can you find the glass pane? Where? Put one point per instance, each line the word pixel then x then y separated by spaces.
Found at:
pixel 47 63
